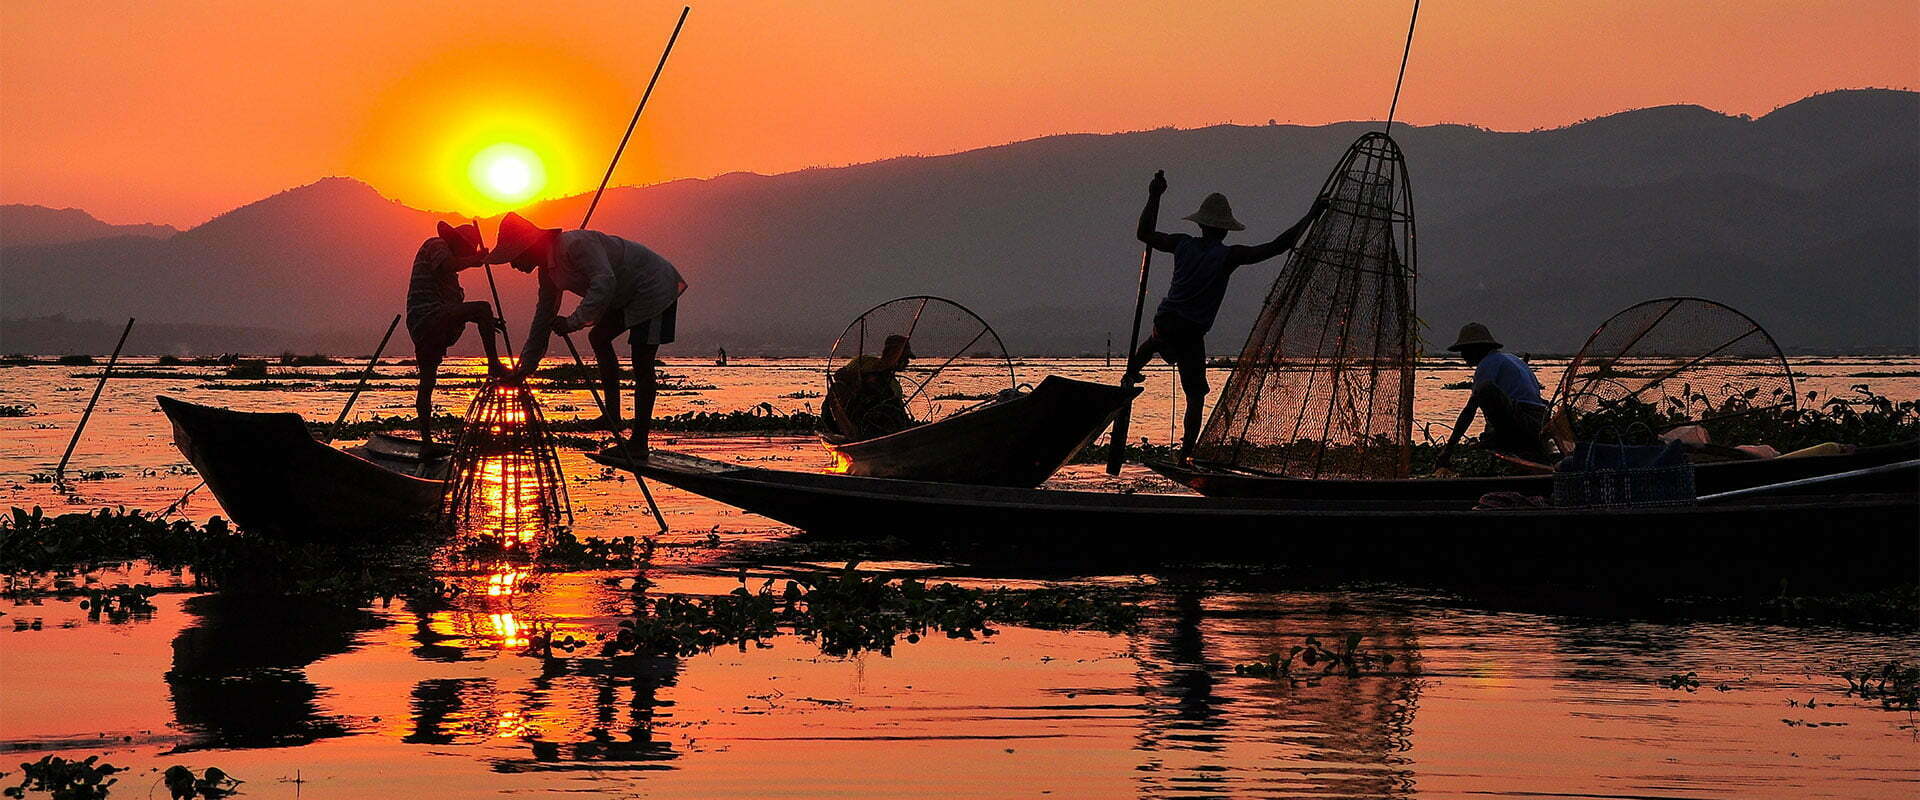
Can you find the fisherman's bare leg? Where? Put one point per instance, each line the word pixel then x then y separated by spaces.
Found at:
pixel 480 313
pixel 1138 361
pixel 1193 383
pixel 423 397
pixel 645 385
pixel 601 338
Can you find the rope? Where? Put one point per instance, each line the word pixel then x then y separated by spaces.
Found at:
pixel 1403 65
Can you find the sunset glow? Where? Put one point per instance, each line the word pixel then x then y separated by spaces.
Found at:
pixel 508 173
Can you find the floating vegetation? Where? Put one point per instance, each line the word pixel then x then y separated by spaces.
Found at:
pixel 1897 374
pixel 1351 660
pixel 81 360
pixel 88 779
pixel 847 612
pixel 1689 681
pixel 1863 418
pixel 119 604
pixel 1457 385
pixel 248 368
pixel 16 410
pixel 215 783
pixel 1896 684
pixel 352 568
pixel 1097 453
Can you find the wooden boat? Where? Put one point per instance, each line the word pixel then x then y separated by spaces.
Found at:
pixel 271 475
pixel 1016 442
pixel 1754 538
pixel 1710 478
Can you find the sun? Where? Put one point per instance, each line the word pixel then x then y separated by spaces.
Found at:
pixel 507 173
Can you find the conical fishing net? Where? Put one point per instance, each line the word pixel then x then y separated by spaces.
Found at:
pixel 506 481
pixel 1324 386
pixel 957 362
pixel 1668 362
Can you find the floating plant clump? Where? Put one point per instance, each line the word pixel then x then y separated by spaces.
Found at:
pixel 506 482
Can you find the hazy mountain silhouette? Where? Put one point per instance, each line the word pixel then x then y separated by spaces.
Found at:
pixel 26 224
pixel 1807 218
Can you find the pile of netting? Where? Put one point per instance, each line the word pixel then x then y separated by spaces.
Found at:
pixel 1670 362
pixel 1324 386
pixel 506 481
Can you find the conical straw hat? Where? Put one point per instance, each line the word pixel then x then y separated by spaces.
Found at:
pixel 1216 213
pixel 1473 333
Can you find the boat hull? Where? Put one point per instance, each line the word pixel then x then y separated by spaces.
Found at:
pixel 272 476
pixel 1020 442
pixel 1757 542
pixel 1708 479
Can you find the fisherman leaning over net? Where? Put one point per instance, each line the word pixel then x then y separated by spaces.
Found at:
pixel 437 311
pixel 624 288
pixel 1201 267
pixel 1506 392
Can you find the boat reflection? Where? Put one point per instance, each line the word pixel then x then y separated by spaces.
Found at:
pixel 238 677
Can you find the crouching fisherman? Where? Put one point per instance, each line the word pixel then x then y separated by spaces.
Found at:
pixel 1201 266
pixel 437 311
pixel 624 288
pixel 1506 392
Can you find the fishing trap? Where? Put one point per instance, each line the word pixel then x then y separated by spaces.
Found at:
pixel 505 481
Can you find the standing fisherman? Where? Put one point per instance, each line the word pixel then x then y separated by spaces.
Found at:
pixel 437 312
pixel 624 288
pixel 1201 267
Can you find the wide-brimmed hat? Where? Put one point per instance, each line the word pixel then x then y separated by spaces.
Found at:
pixel 1215 212
pixel 463 240
pixel 516 235
pixel 1471 334
pixel 905 345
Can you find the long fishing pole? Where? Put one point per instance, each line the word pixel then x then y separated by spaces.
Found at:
pixel 362 385
pixel 499 313
pixel 591 207
pixel 60 472
pixel 1391 107
pixel 1117 441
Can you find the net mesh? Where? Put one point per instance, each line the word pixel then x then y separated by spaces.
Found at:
pixel 958 362
pixel 506 482
pixel 1672 361
pixel 1324 386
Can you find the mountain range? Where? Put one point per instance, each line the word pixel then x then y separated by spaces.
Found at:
pixel 1807 218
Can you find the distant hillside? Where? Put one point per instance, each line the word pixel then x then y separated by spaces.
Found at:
pixel 1807 218
pixel 32 225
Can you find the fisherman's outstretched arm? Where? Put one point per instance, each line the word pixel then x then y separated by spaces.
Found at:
pixel 1254 254
pixel 1459 430
pixel 544 313
pixel 1150 216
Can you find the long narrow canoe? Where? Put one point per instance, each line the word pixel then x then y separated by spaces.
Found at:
pixel 1709 478
pixel 1018 442
pixel 271 475
pixel 1764 539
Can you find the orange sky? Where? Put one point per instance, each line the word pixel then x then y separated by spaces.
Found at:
pixel 174 112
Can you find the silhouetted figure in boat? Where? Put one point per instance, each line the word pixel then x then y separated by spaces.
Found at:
pixel 864 398
pixel 437 311
pixel 624 288
pixel 1201 267
pixel 1506 392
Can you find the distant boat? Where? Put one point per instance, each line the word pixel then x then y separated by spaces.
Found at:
pixel 1019 441
pixel 271 475
pixel 1754 539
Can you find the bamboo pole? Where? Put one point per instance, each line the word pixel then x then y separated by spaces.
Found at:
pixel 1117 442
pixel 60 472
pixel 335 428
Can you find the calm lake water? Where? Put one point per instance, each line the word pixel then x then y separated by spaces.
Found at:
pixel 1481 699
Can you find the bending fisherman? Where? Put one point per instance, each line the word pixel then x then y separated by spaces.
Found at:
pixel 624 288
pixel 1506 392
pixel 437 311
pixel 1201 267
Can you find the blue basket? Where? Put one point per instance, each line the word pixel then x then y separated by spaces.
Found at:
pixel 1601 475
